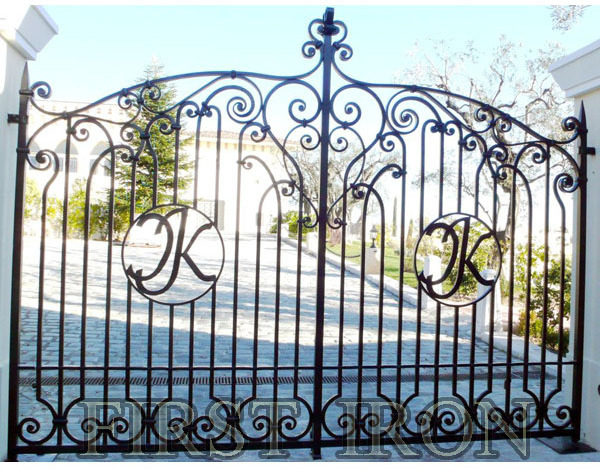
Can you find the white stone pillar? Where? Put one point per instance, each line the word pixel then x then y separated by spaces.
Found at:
pixel 312 241
pixel 285 231
pixel 372 260
pixel 24 31
pixel 432 265
pixel 483 308
pixel 579 75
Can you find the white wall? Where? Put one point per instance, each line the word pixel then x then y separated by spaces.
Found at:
pixel 8 137
pixel 24 31
pixel 579 75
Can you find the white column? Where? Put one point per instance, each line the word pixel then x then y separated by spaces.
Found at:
pixel 484 306
pixel 285 231
pixel 312 241
pixel 24 31
pixel 372 260
pixel 579 75
pixel 432 265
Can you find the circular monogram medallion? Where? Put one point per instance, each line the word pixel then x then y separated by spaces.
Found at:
pixel 173 254
pixel 458 260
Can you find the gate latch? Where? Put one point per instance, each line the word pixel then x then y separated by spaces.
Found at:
pixel 17 119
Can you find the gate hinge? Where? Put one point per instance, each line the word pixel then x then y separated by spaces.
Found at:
pixel 17 119
pixel 587 151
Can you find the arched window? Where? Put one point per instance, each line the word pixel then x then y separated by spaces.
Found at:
pixel 60 150
pixel 105 163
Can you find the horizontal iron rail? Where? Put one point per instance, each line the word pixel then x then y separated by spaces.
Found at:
pixel 291 368
pixel 226 380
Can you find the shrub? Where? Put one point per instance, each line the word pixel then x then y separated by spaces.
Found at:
pixel 290 218
pixel 537 302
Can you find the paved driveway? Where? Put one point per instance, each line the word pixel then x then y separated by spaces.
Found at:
pixel 283 336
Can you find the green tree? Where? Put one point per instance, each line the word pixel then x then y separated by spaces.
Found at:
pixel 153 120
pixel 32 200
pixel 538 300
pixel 76 215
pixel 54 215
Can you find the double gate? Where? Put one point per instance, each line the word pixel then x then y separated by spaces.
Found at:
pixel 277 262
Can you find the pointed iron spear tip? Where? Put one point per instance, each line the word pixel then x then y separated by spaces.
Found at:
pixel 25 77
pixel 583 131
pixel 582 117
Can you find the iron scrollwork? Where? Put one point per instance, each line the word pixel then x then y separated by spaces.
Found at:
pixel 163 249
pixel 170 235
pixel 458 239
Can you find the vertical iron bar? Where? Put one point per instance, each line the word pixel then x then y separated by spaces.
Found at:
pixel 129 287
pixel 213 304
pixel 528 291
pixel 170 358
pixel 298 289
pixel 63 278
pixel 274 433
pixel 473 335
pixel 490 363
pixel 546 306
pixel 192 323
pixel 84 282
pixel 148 427
pixel 109 270
pixel 176 162
pixel 361 318
pixel 236 276
pixel 328 29
pixel 459 179
pixel 438 306
pixel 420 288
pixel 191 337
pixel 401 284
pixel 561 307
pixel 511 292
pixel 257 302
pixel 13 391
pixel 341 313
pixel 582 235
pixel 380 299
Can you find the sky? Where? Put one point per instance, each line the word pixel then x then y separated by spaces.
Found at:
pixel 102 49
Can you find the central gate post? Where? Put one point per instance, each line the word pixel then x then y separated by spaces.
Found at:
pixel 327 30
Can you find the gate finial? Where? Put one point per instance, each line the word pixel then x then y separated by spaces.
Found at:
pixel 329 29
pixel 583 130
pixel 582 117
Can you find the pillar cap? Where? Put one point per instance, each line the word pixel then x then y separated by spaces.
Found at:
pixel 579 72
pixel 26 28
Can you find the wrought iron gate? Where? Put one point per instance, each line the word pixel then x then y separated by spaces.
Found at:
pixel 158 306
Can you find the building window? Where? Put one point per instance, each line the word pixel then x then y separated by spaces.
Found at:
pixel 100 148
pixel 72 164
pixel 60 150
pixel 104 165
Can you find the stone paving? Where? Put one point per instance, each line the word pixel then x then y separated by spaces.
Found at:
pixel 503 451
pixel 171 340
